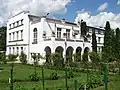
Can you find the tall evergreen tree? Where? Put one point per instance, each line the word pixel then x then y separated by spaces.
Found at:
pixel 117 43
pixel 108 42
pixel 94 42
pixel 3 38
pixel 83 28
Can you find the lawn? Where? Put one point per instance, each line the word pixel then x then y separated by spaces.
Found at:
pixel 114 83
pixel 21 72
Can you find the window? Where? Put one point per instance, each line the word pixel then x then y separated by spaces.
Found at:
pixel 17 50
pixel 99 38
pixel 17 23
pixel 35 35
pixel 9 36
pixel 9 50
pixel 21 49
pixel 21 34
pixel 22 22
pixel 13 50
pixel 10 26
pixel 13 35
pixel 90 30
pixel 99 31
pixel 13 25
pixel 58 32
pixel 68 33
pixel 17 33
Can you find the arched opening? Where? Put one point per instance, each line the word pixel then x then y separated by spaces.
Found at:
pixel 59 50
pixel 85 54
pixel 78 54
pixel 48 53
pixel 69 54
pixel 58 58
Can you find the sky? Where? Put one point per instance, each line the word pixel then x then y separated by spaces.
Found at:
pixel 94 12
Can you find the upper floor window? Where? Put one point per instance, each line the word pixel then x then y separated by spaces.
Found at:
pixel 17 33
pixel 35 35
pixel 9 26
pixel 21 34
pixel 68 33
pixel 13 25
pixel 90 30
pixel 17 23
pixel 9 36
pixel 13 35
pixel 22 22
pixel 58 32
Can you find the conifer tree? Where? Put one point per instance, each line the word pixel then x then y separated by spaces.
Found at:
pixel 83 28
pixel 117 43
pixel 94 42
pixel 108 42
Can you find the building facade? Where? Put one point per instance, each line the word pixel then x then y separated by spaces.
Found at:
pixel 34 34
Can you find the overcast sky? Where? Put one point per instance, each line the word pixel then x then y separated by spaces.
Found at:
pixel 94 12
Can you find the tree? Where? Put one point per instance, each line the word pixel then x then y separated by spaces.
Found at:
pixel 95 58
pixel 94 42
pixel 57 60
pixel 84 29
pixel 117 43
pixel 3 38
pixel 36 58
pixel 2 57
pixel 23 58
pixel 12 57
pixel 108 42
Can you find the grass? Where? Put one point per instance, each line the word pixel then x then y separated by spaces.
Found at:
pixel 114 83
pixel 23 71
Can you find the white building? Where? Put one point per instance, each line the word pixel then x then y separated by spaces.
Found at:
pixel 33 34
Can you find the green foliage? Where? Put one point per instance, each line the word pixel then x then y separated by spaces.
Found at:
pixel 20 87
pixel 84 28
pixel 12 57
pixel 94 42
pixel 54 76
pixel 34 77
pixel 95 57
pixel 94 80
pixel 117 44
pixel 23 58
pixel 108 42
pixel 70 74
pixel 58 61
pixel 77 57
pixel 3 58
pixel 36 58
pixel 85 56
pixel 3 38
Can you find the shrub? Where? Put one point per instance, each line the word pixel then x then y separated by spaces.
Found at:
pixel 20 87
pixel 70 74
pixel 34 77
pixel 23 58
pixel 12 57
pixel 54 76
pixel 3 58
pixel 57 59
